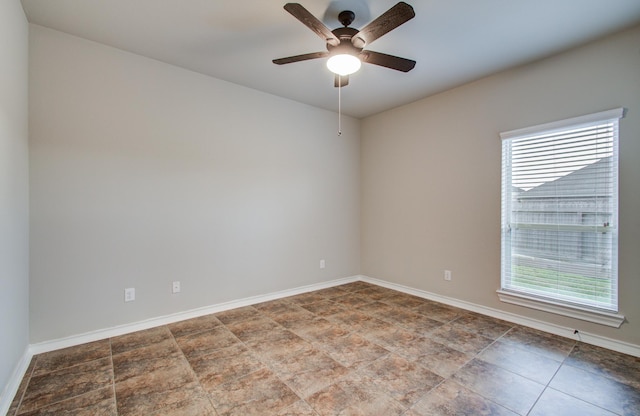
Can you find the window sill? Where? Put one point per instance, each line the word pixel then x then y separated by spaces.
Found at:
pixel 591 315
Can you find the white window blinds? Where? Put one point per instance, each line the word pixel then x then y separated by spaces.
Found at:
pixel 560 211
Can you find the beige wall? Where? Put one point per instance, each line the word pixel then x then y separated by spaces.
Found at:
pixel 143 173
pixel 431 175
pixel 14 194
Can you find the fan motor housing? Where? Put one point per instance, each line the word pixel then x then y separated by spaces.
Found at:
pixel 345 46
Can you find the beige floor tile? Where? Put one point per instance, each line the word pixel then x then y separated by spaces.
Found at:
pixel 434 356
pixel 553 402
pixel 185 400
pixel 202 343
pixel 450 398
pixel 101 402
pixel 354 349
pixel 460 339
pixel 56 386
pixel 503 387
pixel 224 365
pixel 139 339
pixel 483 325
pixel 190 326
pixel 404 380
pixel 554 347
pixel 597 390
pixel 620 367
pixel 521 361
pixel 309 371
pixel 259 393
pixel 353 396
pixel 67 357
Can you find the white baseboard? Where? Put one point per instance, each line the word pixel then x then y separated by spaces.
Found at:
pixel 588 338
pixel 13 385
pixel 115 331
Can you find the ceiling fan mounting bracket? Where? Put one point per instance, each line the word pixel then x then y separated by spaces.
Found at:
pixel 346 17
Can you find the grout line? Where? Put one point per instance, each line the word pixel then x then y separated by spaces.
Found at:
pixel 113 373
pixel 544 389
pixel 186 360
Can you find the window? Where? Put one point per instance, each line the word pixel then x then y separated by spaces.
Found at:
pixel 559 217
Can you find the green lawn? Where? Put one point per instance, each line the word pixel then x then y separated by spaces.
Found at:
pixel 569 284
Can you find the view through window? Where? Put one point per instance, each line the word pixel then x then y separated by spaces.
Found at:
pixel 559 211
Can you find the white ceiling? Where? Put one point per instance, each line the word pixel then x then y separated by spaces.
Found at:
pixel 453 41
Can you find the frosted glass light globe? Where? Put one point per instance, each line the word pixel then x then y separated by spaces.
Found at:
pixel 343 64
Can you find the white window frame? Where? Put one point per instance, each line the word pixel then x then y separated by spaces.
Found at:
pixel 546 303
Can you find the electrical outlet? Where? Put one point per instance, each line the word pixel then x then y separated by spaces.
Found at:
pixel 322 264
pixel 447 275
pixel 130 294
pixel 175 288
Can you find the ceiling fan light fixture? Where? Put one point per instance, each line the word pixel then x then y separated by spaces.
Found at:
pixel 343 64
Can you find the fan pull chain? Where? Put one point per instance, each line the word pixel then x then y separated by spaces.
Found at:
pixel 339 105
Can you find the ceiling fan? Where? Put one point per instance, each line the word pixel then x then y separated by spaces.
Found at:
pixel 345 45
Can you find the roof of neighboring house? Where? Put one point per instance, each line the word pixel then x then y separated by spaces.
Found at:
pixel 576 184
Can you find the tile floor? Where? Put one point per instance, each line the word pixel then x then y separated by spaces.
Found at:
pixel 356 349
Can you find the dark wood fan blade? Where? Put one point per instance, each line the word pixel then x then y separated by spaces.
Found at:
pixel 312 23
pixel 341 81
pixel 388 61
pixel 298 58
pixel 386 22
